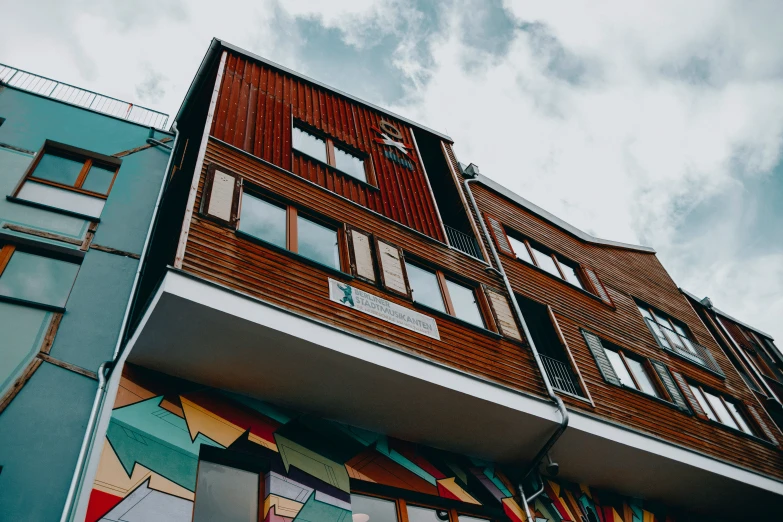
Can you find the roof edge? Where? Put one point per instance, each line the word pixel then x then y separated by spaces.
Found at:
pixel 727 316
pixel 556 221
pixel 218 44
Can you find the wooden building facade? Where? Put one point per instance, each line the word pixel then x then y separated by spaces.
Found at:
pixel 315 253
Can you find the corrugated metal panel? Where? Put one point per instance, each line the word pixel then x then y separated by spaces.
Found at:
pixel 255 110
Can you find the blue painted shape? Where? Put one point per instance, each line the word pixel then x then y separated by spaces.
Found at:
pixel 13 165
pixel 316 511
pixel 637 512
pixel 126 217
pixel 382 446
pixel 489 472
pixel 155 438
pixel 41 432
pixel 89 329
pixel 588 505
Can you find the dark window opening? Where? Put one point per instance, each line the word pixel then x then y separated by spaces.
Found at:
pixel 553 355
pixel 447 196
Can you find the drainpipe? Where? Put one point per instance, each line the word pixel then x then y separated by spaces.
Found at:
pixel 106 368
pixel 550 391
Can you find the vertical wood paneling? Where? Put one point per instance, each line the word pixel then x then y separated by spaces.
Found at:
pixel 254 113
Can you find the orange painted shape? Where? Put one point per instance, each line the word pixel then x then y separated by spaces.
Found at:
pixel 448 488
pixel 383 470
pixel 512 510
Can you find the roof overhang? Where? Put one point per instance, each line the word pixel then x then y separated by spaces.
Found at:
pixel 206 333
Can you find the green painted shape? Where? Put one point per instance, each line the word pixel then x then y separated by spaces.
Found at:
pixel 12 167
pixel 312 463
pixel 383 447
pixel 273 412
pixel 457 470
pixel 364 437
pixel 548 509
pixel 489 472
pixel 317 511
pixel 23 331
pixel 155 438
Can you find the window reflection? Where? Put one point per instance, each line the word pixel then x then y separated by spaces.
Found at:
pixel 318 242
pixel 420 514
pixel 349 164
pixel 465 304
pixel 58 169
pixel 545 262
pixel 424 287
pixel 38 279
pixel 263 219
pixel 371 509
pixel 309 144
pixel 520 250
pixel 225 494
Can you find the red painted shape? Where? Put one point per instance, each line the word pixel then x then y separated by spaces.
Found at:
pixel 235 413
pixel 556 501
pixel 100 503
pixel 445 493
pixel 408 451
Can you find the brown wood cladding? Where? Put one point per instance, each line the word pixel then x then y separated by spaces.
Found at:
pixel 214 252
pixel 626 273
pixel 254 113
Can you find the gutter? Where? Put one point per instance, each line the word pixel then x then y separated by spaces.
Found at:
pixel 106 368
pixel 550 391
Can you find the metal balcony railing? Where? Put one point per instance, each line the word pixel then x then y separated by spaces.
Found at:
pixel 561 376
pixel 680 345
pixel 81 97
pixel 463 242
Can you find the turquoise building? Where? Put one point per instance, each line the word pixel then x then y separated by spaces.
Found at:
pixel 80 178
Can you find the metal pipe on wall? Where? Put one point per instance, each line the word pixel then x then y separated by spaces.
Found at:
pixel 548 385
pixel 104 371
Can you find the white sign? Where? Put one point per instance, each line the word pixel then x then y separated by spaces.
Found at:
pixel 383 309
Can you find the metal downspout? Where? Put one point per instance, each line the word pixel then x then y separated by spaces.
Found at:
pixel 550 391
pixel 105 369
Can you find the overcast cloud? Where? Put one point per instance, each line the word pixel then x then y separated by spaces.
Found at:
pixel 657 123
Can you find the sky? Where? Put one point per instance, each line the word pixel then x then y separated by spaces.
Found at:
pixel 655 123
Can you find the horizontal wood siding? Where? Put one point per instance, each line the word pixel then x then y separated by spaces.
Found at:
pixel 254 111
pixel 214 252
pixel 627 274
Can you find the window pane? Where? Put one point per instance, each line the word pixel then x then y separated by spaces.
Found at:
pixel 58 169
pixel 620 369
pixel 739 417
pixel 642 378
pixel 702 402
pixel 98 179
pixel 62 198
pixel 225 494
pixel 309 144
pixel 318 242
pixel 424 287
pixel 38 279
pixel 645 313
pixel 545 262
pixel 349 164
pixel 420 514
pixel 466 518
pixel 263 219
pixel 720 410
pixel 466 305
pixel 570 275
pixel 520 249
pixel 369 509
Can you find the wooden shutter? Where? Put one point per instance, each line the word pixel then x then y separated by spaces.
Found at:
pixel 668 383
pixel 686 391
pixel 604 366
pixel 598 287
pixel 498 234
pixel 761 424
pixel 360 253
pixel 221 195
pixel 504 316
pixel 391 264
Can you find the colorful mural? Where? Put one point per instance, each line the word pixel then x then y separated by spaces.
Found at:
pixel 159 424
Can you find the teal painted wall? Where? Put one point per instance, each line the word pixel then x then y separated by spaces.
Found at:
pixel 42 429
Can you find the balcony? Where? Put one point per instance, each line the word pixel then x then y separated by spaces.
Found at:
pixel 463 242
pixel 561 376
pixel 683 347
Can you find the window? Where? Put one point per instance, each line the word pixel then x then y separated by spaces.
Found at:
pixel 371 509
pixel 422 514
pixel 631 372
pixel 549 262
pixel 70 179
pixel 225 493
pixel 283 226
pixel 719 409
pixel 326 151
pixel 34 279
pixel 434 290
